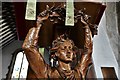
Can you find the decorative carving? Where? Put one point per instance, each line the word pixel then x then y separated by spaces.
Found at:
pixel 58 14
pixel 63 49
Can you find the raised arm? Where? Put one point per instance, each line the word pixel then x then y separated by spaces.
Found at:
pixel 29 46
pixel 87 52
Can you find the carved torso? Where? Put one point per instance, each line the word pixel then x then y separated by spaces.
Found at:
pixel 74 74
pixel 54 73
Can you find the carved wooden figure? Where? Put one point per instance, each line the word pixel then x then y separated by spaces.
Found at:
pixel 63 48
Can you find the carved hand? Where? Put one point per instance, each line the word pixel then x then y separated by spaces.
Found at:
pixel 84 22
pixel 41 19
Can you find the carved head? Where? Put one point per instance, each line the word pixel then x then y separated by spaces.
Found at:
pixel 63 48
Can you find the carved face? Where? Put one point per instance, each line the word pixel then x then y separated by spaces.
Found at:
pixel 65 51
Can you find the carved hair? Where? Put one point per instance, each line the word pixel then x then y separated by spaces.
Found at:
pixel 56 43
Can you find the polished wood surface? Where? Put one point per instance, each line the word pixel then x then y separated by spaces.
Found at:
pixel 109 73
pixel 63 49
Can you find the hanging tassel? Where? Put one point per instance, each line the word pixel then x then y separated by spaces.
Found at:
pixel 69 13
pixel 31 10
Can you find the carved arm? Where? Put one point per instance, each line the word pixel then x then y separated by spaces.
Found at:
pixel 86 55
pixel 29 46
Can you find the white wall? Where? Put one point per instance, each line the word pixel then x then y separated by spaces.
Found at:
pixel 103 55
